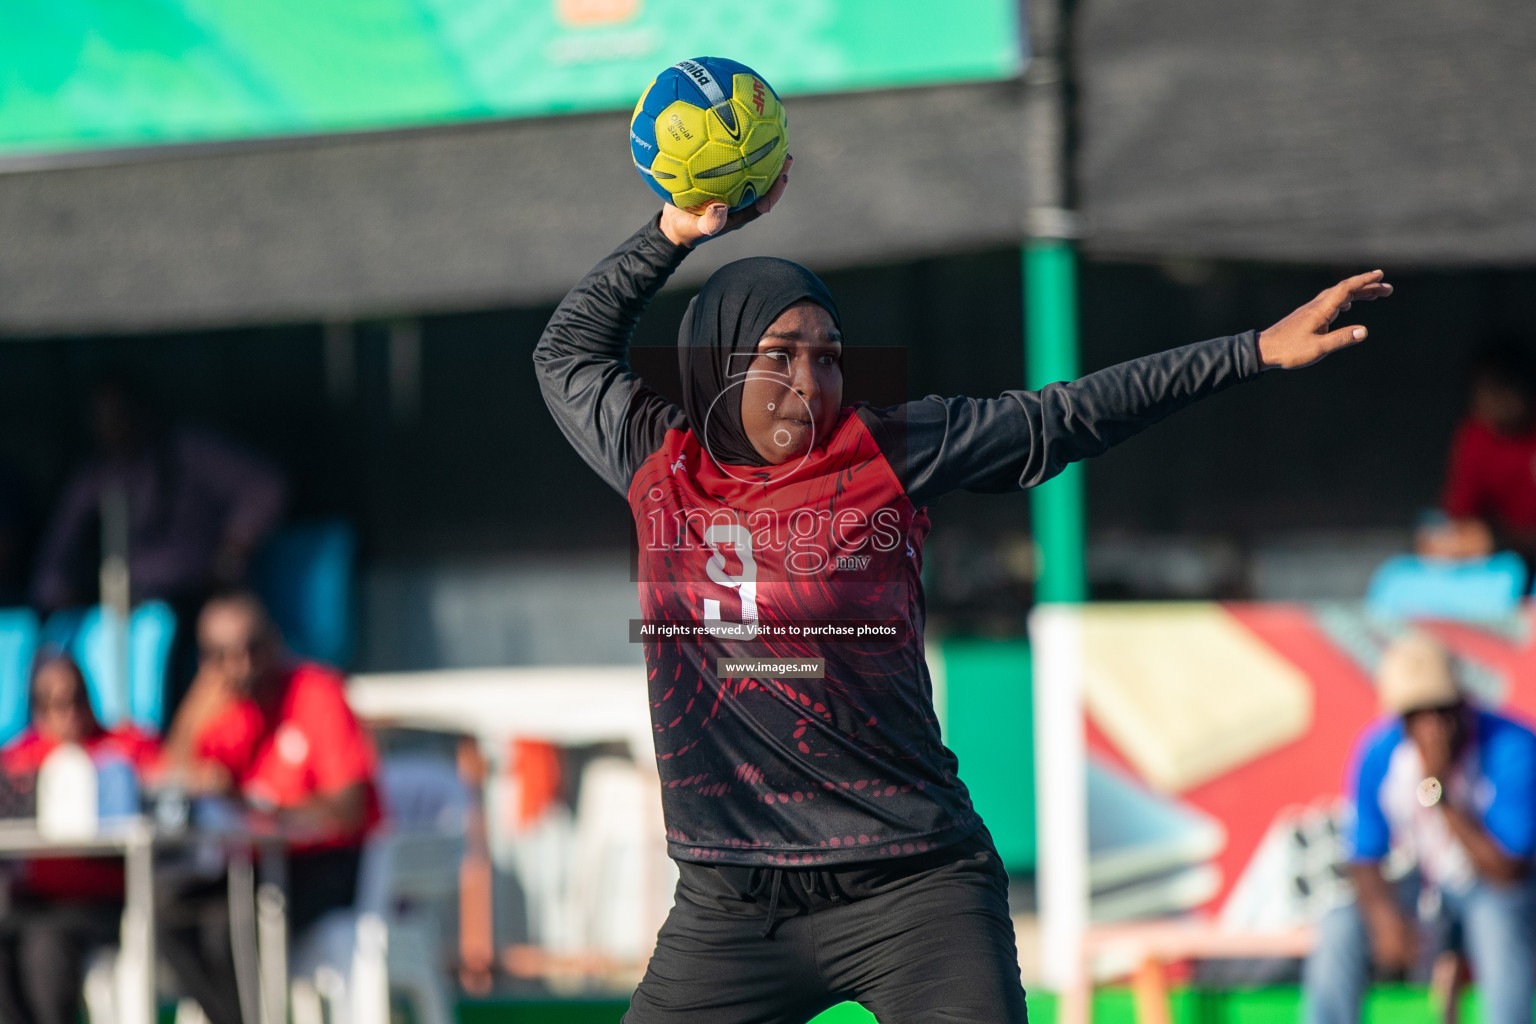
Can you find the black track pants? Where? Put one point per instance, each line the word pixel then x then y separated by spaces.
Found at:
pixel 43 949
pixel 915 939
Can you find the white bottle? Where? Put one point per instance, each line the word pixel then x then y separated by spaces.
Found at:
pixel 66 795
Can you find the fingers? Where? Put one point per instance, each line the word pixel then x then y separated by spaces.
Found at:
pixel 712 220
pixel 717 218
pixel 776 193
pixel 746 215
pixel 1370 293
pixel 1341 297
pixel 1363 287
pixel 1361 280
pixel 1343 338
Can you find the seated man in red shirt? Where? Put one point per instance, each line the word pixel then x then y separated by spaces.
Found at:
pixel 1490 490
pixel 61 908
pixel 281 738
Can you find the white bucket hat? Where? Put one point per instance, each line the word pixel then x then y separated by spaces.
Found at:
pixel 1415 673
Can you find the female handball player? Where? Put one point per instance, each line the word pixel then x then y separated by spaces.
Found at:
pixel 826 847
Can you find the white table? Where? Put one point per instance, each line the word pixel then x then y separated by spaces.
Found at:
pixel 567 705
pixel 135 840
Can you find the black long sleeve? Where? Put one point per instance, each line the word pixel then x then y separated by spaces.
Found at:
pixel 1024 438
pixel 610 416
pixel 848 767
pixel 937 445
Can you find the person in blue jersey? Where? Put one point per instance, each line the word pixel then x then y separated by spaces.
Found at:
pixel 826 846
pixel 1443 834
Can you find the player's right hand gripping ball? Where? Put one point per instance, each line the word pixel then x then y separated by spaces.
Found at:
pixel 709 130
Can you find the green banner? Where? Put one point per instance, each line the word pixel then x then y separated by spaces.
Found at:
pixel 78 74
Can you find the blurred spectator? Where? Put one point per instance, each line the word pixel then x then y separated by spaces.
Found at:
pixel 197 507
pixel 281 739
pixel 1453 790
pixel 61 908
pixel 15 518
pixel 1490 489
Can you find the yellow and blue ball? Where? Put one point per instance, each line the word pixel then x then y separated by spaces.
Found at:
pixel 709 130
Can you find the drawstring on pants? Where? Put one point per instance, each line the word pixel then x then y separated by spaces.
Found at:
pixel 773 904
pixel 815 883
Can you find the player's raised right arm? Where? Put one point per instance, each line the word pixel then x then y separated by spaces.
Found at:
pixel 603 408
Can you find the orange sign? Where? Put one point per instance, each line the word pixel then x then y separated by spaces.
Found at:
pixel 587 13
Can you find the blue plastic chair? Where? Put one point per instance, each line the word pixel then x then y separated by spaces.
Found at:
pixel 89 636
pixel 61 627
pixel 304 574
pixel 1407 586
pixel 19 634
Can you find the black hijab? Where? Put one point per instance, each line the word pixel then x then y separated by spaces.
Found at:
pixel 719 336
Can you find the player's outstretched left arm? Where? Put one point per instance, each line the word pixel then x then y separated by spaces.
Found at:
pixel 684 228
pixel 1026 437
pixel 1308 335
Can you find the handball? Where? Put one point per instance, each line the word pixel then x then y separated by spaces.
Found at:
pixel 709 130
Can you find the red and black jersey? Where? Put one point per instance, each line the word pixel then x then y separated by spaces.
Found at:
pixel 790 561
pixel 799 770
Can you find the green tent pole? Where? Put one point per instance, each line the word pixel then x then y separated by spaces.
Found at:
pixel 1050 286
pixel 1050 354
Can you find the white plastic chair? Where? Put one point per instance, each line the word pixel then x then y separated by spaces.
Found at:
pixel 114 977
pixel 620 872
pixel 101 986
pixel 391 939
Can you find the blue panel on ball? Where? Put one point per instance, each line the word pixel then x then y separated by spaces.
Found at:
pixel 684 87
pixel 747 199
pixel 655 186
pixel 661 95
pixel 642 139
pixel 642 130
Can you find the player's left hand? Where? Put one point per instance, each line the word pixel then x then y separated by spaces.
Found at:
pixel 1306 336
pixel 684 228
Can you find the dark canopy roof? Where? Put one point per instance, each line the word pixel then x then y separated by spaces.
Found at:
pixel 506 213
pixel 1385 131
pixel 1391 131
